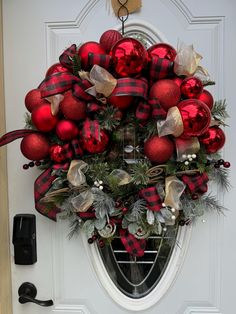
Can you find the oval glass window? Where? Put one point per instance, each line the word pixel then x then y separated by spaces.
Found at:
pixel 138 276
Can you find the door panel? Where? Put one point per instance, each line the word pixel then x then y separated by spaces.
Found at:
pixel 35 34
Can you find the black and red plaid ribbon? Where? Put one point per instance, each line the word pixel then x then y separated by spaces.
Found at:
pixel 13 135
pixel 152 198
pixel 66 58
pixel 151 108
pixel 133 246
pixel 100 59
pixel 160 69
pixel 91 128
pixel 131 86
pixel 197 184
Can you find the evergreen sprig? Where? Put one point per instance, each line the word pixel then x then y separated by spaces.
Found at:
pixel 107 118
pixel 210 203
pixel 219 110
pixel 28 122
pixel 139 173
pixel 221 177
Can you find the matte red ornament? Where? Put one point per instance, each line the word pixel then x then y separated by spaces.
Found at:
pixel 129 57
pixel 43 119
pixel 213 139
pixel 57 153
pixel 35 146
pixel 162 50
pixel 196 117
pixel 191 87
pixel 207 98
pixel 33 99
pixel 109 38
pixel 66 130
pixel 86 49
pixel 167 91
pixel 120 102
pixel 56 68
pixel 158 149
pixel 94 146
pixel 177 80
pixel 72 107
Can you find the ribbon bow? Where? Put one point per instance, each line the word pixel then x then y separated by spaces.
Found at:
pixel 151 108
pixel 197 184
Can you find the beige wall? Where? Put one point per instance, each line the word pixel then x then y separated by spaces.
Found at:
pixel 5 275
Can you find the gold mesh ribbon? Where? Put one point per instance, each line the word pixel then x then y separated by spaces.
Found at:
pixel 172 125
pixel 121 177
pixel 186 146
pixel 55 101
pixel 83 201
pixel 173 190
pixel 76 171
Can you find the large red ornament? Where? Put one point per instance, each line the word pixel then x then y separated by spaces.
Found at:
pixel 213 139
pixel 191 87
pixel 162 50
pixel 66 130
pixel 86 49
pixel 196 117
pixel 33 99
pixel 56 68
pixel 35 146
pixel 207 98
pixel 72 107
pixel 95 146
pixel 120 102
pixel 177 80
pixel 129 57
pixel 57 153
pixel 167 91
pixel 158 149
pixel 109 38
pixel 43 119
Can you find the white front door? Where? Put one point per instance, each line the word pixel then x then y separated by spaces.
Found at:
pixel 35 34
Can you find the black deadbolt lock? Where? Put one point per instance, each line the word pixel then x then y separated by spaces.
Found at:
pixel 24 239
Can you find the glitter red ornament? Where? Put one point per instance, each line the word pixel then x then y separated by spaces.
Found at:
pixel 167 92
pixel 72 107
pixel 35 146
pixel 57 153
pixel 86 49
pixel 196 117
pixel 43 119
pixel 95 146
pixel 56 68
pixel 162 50
pixel 33 100
pixel 158 149
pixel 120 102
pixel 207 98
pixel 213 139
pixel 191 87
pixel 109 38
pixel 129 57
pixel 66 130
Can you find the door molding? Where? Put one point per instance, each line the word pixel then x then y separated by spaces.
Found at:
pixel 5 282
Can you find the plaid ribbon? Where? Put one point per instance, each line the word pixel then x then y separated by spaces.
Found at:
pixel 132 245
pixel 152 198
pixel 13 135
pixel 66 58
pixel 79 90
pixel 131 86
pixel 41 186
pixel 160 68
pixel 91 128
pixel 152 107
pixel 196 183
pixel 100 59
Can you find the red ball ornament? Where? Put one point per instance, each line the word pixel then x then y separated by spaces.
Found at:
pixel 66 130
pixel 120 102
pixel 72 107
pixel 191 87
pixel 109 38
pixel 207 98
pixel 86 49
pixel 177 80
pixel 57 153
pixel 34 99
pixel 167 91
pixel 158 149
pixel 56 68
pixel 43 119
pixel 95 146
pixel 35 146
pixel 129 57
pixel 196 117
pixel 213 139
pixel 162 50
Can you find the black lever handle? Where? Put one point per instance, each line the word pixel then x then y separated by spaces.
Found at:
pixel 27 293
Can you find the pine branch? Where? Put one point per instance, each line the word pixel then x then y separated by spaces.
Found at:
pixel 221 177
pixel 210 202
pixel 139 173
pixel 107 118
pixel 28 122
pixel 219 110
pixel 98 170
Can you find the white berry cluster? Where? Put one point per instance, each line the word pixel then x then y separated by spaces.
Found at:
pixel 99 184
pixel 188 158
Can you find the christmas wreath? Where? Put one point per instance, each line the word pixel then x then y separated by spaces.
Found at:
pixel 127 138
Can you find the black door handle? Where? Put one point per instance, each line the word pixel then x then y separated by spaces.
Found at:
pixel 27 293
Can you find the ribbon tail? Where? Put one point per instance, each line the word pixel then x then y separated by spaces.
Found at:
pixel 133 246
pixel 14 135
